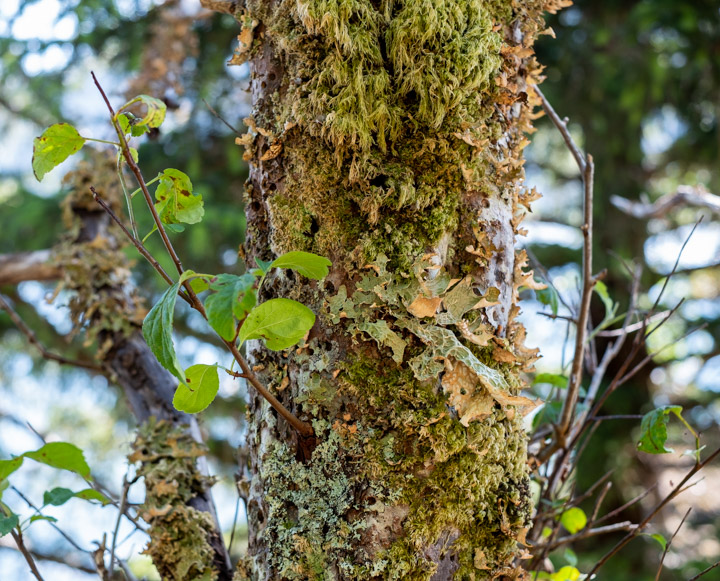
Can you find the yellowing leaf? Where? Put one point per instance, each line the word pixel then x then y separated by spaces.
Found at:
pixel 155 114
pixel 175 199
pixel 55 145
pixel 198 391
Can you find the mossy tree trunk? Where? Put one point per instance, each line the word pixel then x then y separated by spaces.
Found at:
pixel 387 135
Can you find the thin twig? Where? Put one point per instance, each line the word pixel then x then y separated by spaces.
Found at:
pixel 667 545
pixel 589 532
pixel 657 508
pixel 562 126
pixel 35 342
pixel 221 119
pixel 704 571
pixel 137 243
pixel 17 535
pixel 599 501
pixel 568 410
pixel 121 510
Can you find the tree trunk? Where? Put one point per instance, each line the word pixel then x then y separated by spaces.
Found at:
pixel 387 136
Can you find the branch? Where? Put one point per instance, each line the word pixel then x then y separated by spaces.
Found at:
pixel 22 266
pixel 667 545
pixel 33 340
pixel 657 508
pixel 684 196
pixel 28 556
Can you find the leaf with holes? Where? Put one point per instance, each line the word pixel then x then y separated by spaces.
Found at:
pixel 200 388
pixel 281 322
pixel 306 263
pixel 54 146
pixel 175 199
pixel 155 114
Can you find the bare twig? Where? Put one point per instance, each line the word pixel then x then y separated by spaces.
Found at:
pixel 590 532
pixel 220 117
pixel 562 126
pixel 35 342
pixel 137 243
pixel 657 508
pixel 17 536
pixel 683 196
pixel 667 545
pixel 704 571
pixel 121 510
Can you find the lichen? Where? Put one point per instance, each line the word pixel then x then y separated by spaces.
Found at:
pixel 179 544
pixel 401 122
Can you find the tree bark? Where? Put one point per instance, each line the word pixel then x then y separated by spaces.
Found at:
pixel 387 136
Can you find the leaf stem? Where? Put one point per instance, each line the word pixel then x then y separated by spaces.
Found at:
pixel 101 141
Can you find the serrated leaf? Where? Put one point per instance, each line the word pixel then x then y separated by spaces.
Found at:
pixel 92 494
pixel 228 301
pixel 573 519
pixel 57 496
pixel 8 523
pixel 61 455
pixel 155 114
pixel 55 145
pixel 281 322
pixel 157 328
pixel 555 379
pixel 308 264
pixel 199 391
pixel 175 199
pixel 383 335
pixel 7 467
pixel 654 429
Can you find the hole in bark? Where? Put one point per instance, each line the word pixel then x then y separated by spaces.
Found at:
pixel 271 77
pixel 272 188
pixel 329 287
pixel 255 207
pixel 263 85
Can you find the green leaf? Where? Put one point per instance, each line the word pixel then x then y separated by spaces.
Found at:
pixel 91 494
pixel 263 266
pixel 549 296
pixel 8 523
pixel 657 537
pixel 57 496
pixel 157 330
pixel 55 145
pixel 555 379
pixel 155 110
pixel 225 302
pixel 199 391
pixel 308 264
pixel 37 517
pixel 654 429
pixel 7 467
pixel 175 199
pixel 281 322
pixel 61 455
pixel 573 519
